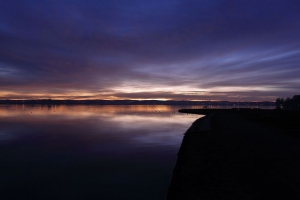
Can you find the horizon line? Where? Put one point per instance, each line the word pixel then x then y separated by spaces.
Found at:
pixel 161 100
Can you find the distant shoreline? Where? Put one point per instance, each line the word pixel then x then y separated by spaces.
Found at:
pixel 138 102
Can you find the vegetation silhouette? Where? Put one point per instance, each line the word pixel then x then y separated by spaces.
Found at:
pixel 288 103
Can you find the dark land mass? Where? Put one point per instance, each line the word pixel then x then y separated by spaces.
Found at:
pixel 246 154
pixel 137 102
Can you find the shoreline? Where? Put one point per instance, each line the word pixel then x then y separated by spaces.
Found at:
pixel 241 157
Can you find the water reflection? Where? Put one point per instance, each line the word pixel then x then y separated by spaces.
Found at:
pixel 105 152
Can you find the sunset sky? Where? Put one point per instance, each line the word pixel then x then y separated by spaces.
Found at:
pixel 231 50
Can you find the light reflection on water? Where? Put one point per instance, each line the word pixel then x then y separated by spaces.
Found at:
pixel 105 152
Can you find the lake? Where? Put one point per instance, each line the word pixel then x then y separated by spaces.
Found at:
pixel 89 152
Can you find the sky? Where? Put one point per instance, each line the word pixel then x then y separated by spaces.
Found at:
pixel 233 50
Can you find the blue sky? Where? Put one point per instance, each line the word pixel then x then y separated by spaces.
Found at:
pixel 193 50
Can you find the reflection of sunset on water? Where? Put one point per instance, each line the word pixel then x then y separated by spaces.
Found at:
pixel 105 145
pixel 155 123
pixel 85 110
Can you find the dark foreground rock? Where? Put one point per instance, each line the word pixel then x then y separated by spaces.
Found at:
pixel 239 158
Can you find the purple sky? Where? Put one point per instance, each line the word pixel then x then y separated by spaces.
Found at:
pixel 193 50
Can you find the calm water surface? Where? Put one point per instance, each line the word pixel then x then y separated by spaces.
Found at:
pixel 89 152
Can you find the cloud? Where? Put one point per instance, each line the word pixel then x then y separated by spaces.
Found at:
pixel 168 48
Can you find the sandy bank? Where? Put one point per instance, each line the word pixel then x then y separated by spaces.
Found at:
pixel 238 158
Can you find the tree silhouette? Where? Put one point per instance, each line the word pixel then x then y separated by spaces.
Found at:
pixel 288 103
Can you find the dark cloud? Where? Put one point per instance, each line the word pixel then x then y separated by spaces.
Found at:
pixel 135 49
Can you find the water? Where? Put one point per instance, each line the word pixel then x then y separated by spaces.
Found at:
pixel 89 152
